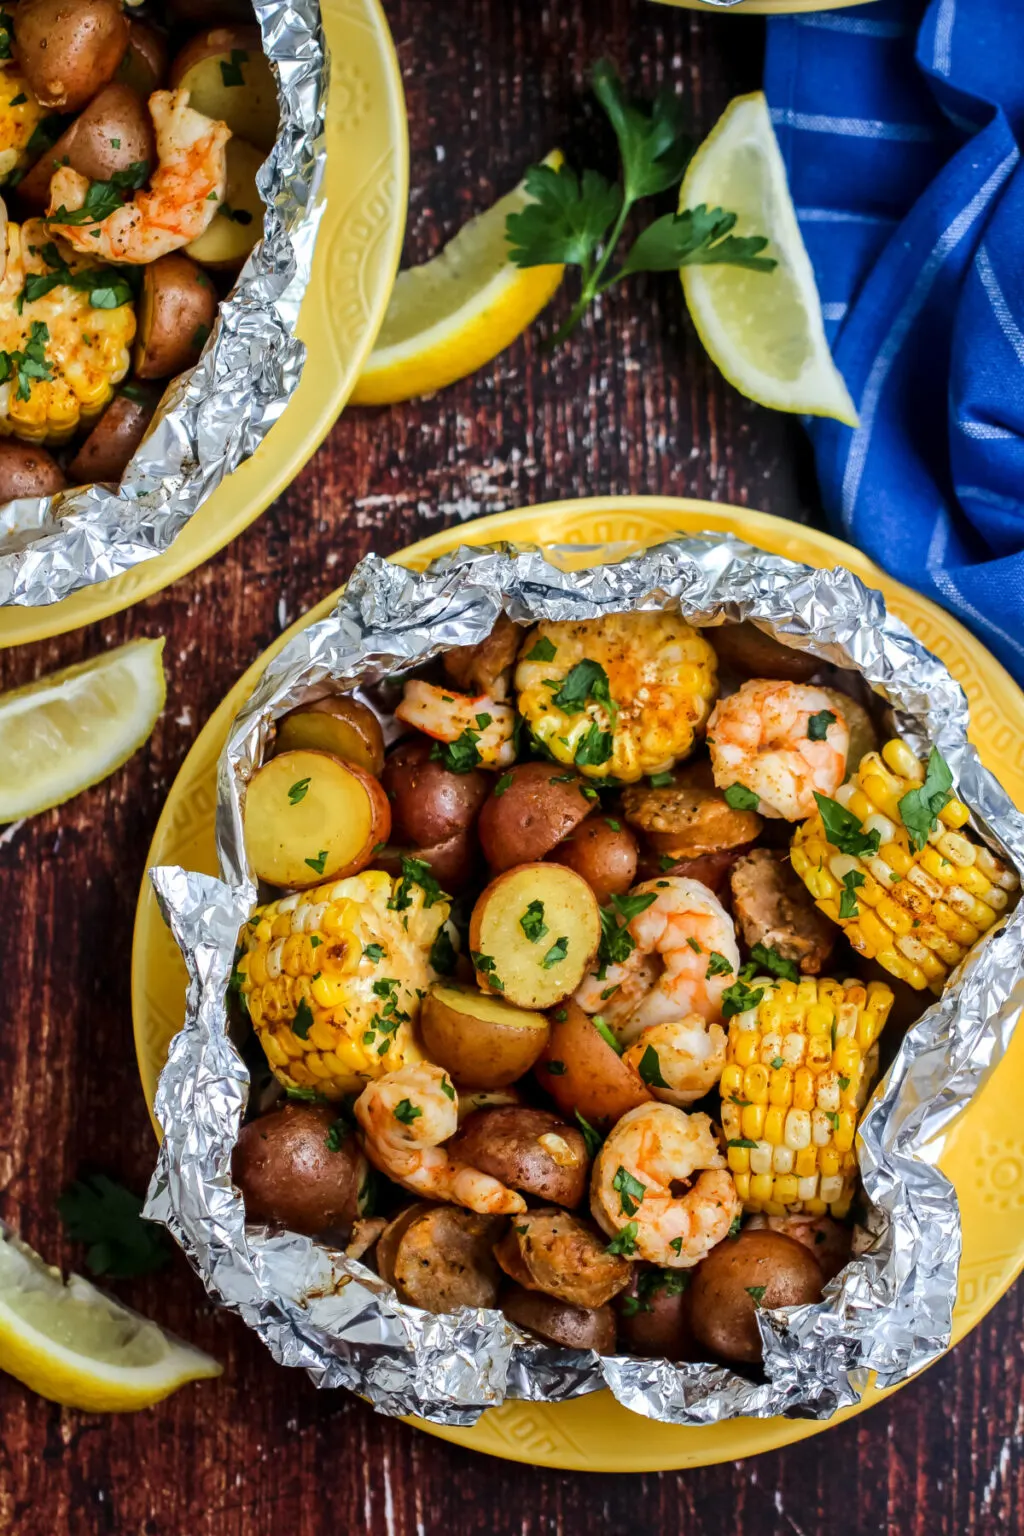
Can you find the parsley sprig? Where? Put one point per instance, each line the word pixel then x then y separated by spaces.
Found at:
pixel 103 197
pixel 97 1211
pixel 30 362
pixel 579 219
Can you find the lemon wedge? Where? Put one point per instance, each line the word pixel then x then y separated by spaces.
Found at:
pixel 77 1346
pixel 73 728
pixel 451 315
pixel 764 331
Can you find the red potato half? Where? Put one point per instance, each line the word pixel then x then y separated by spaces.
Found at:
pixel 106 451
pixel 480 1040
pixel 533 932
pixel 581 1072
pixel 337 724
pixel 603 851
pixel 309 817
pixel 145 63
pixel 228 78
pixel 177 310
pixel 27 470
pixel 531 808
pixel 114 132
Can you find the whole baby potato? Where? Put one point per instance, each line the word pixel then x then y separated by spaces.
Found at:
pixel 69 49
pixel 429 803
pixel 177 310
pixel 106 451
pixel 531 808
pixel 114 132
pixel 654 1314
pixel 300 1166
pixel 604 852
pixel 481 1041
pixel 755 1269
pixel 145 62
pixel 337 724
pixel 532 1150
pixel 26 470
pixel 557 1322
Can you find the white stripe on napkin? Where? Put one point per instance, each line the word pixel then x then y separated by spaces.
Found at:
pixel 942 57
pixel 1007 324
pixel 985 432
pixel 841 216
pixel 851 127
pixel 850 24
pixel 949 589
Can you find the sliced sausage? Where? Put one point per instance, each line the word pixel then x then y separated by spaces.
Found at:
pixel 773 907
pixel 482 668
pixel 688 818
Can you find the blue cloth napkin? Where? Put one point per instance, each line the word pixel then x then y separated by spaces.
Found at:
pixel 901 125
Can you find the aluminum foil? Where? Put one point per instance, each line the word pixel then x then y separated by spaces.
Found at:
pixel 889 1311
pixel 215 415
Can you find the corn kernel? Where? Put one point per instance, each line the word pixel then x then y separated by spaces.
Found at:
pixel 807 1188
pixel 774 1125
pixel 742 1182
pixel 745 1047
pixel 755 1083
pixel 798 1129
pixel 784 1189
pixel 752 1120
pixel 803 1088
pixel 806 1163
pixel 761 1186
pixel 816 1207
pixel 828 1162
pixel 845 1130
pixel 732 1080
pixel 738 1159
pixel 783 1159
pixel 780 1086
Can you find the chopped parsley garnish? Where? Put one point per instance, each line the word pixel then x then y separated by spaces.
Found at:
pixel 594 748
pixel 542 650
pixel 556 1068
pixel 374 952
pixel 483 721
pixel 616 826
pixel 666 862
pixel 844 1083
pixel 692 942
pixel 765 957
pixel 317 864
pixel 586 680
pixel 661 780
pixel 757 1292
pixel 740 798
pixel 741 1141
pixel 336 1135
pixel 298 791
pixel 503 783
pixel 817 725
pixel 777 1062
pixel 630 1191
pixel 606 1034
pixel 303 1020
pixel 844 830
pixel 30 363
pixel 617 943
pixel 406 1111
pixel 919 808
pixel 103 197
pixel 560 1016
pixel 485 965
pixel 592 1138
pixel 739 997
pixel 848 899
pixel 460 755
pixel 415 872
pixel 650 1069
pixel 442 952
pixel 625 1243
pixel 230 71
pixel 718 965
pixel 832 1117
pixel 447 1089
pixel 676 1245
pixel 557 953
pixel 736 1226
pixel 532 922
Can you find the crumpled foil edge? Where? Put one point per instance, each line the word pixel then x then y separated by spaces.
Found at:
pixel 889 1311
pixel 215 415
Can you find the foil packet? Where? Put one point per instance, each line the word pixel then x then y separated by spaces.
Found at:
pixel 215 415
pixel 888 1311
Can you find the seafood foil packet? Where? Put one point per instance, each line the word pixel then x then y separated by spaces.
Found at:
pixel 215 415
pixel 888 1311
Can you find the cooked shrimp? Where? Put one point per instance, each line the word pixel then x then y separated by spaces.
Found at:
pixel 404 1117
pixel 185 190
pixel 652 1151
pixel 689 1056
pixel 447 716
pixel 761 738
pixel 684 959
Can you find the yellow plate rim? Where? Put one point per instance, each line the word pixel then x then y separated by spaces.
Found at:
pixel 765 7
pixel 575 1435
pixel 365 79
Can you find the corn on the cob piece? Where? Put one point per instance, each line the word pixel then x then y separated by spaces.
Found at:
pixel 20 118
pixel 916 911
pixel 798 1070
pixel 647 688
pixel 332 979
pixel 83 351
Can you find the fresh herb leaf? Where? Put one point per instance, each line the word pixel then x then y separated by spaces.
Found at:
pixel 532 922
pixel 542 650
pixel 505 782
pixel 666 862
pixel 460 755
pixel 739 997
pixel 844 830
pixel 606 1034
pixel 848 899
pixel 564 223
pixel 740 798
pixel 767 958
pixel 817 725
pixel 629 1190
pixel 29 363
pixel 735 1227
pixel 374 952
pixel 406 1111
pixel 844 1083
pixel 741 1141
pixel 303 1020
pixel 696 237
pixel 230 71
pixel 337 1134
pixel 103 197
pixel 483 721
pixel 919 808
pixel 19 100
pixel 586 680
pixel 556 1068
pixel 442 952
pixel 650 1069
pixel 617 943
pixel 102 1213
pixel 592 1138
pixel 718 965
pixel 661 780
pixel 557 953
pixel 415 872
pixel 594 748
pixel 676 1245
pixel 447 1089
pixel 298 792
pixel 302 1095
pixel 625 1242
pixel 694 945
pixel 486 966
pixel 757 1292
pixel 616 826
pixel 317 864
pixel 6 34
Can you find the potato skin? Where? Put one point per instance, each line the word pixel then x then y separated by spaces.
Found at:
pixel 479 668
pixel 724 1312
pixel 69 49
pixel 145 62
pixel 513 965
pixel 117 113
pixel 661 1327
pixel 506 1144
pixel 592 1079
pixel 440 1257
pixel 606 858
pixel 249 106
pixel 463 1031
pixel 288 1174
pixel 337 724
pixel 341 803
pixel 454 864
pixel 106 451
pixel 745 649
pixel 549 1250
pixel 177 310
pixel 429 803
pixel 538 805
pixel 556 1322
pixel 26 470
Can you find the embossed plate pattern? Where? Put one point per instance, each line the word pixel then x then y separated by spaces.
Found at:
pixel 357 252
pixel 984 1151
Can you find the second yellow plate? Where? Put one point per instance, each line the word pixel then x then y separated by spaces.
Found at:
pixel 984 1150
pixel 359 243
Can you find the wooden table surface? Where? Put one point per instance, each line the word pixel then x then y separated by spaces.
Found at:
pixel 632 405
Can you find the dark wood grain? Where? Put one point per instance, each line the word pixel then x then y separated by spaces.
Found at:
pixel 631 406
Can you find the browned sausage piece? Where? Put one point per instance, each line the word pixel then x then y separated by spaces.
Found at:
pixel 748 650
pixel 688 818
pixel 480 668
pixel 773 907
pixel 439 1257
pixel 550 1251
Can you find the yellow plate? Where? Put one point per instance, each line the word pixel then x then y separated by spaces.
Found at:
pixel 984 1151
pixel 766 7
pixel 357 252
